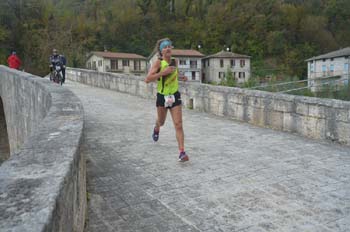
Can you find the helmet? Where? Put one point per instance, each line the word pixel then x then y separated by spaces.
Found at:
pixel 54 51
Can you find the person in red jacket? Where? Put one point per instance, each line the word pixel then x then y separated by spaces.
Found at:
pixel 14 61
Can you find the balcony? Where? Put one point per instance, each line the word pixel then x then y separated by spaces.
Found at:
pixel 115 70
pixel 137 71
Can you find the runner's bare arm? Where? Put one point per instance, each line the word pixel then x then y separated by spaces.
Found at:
pixel 153 73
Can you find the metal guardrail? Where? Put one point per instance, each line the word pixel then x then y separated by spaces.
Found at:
pixel 315 85
pixel 278 84
pixel 323 79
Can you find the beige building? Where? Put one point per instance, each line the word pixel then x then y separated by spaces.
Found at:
pixel 189 65
pixel 216 66
pixel 329 68
pixel 117 62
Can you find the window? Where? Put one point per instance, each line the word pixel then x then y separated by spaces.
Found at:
pixel 94 65
pixel 242 63
pixel 221 63
pixel 182 62
pixel 208 63
pixel 233 63
pixel 114 64
pixel 193 76
pixel 221 75
pixel 125 62
pixel 137 65
pixel 324 69
pixel 331 68
pixel 89 65
pixel 241 74
pixel 346 68
pixel 312 67
pixel 193 64
pixel 99 63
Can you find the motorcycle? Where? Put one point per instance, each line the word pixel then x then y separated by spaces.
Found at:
pixel 56 74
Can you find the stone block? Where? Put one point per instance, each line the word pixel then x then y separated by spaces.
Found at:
pixel 289 123
pixel 256 102
pixel 282 106
pixel 275 119
pixel 256 116
pixel 311 127
pixel 342 115
pixel 113 85
pixel 343 132
pixel 317 111
pixel 236 98
pixel 216 103
pixel 302 108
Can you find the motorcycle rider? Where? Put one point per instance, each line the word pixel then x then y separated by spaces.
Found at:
pixel 57 59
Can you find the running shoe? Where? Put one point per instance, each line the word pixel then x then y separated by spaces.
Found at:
pixel 183 157
pixel 155 135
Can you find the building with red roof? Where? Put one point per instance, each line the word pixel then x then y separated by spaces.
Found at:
pixel 117 62
pixel 189 62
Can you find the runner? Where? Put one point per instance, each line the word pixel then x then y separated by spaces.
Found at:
pixel 165 72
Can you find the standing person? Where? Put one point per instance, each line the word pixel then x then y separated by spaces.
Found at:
pixel 165 72
pixel 14 61
pixel 56 59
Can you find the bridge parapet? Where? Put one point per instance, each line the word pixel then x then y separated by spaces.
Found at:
pixel 323 119
pixel 42 183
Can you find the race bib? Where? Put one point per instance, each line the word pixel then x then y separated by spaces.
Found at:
pixel 169 100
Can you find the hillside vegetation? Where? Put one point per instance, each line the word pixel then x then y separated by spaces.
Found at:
pixel 278 34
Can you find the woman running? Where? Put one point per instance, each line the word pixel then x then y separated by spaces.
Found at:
pixel 165 72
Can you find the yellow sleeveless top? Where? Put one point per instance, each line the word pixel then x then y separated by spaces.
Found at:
pixel 169 84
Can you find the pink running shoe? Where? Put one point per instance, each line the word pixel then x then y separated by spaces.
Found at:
pixel 183 157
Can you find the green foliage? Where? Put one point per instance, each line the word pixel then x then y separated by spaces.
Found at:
pixel 278 35
pixel 328 91
pixel 335 92
pixel 251 82
pixel 229 79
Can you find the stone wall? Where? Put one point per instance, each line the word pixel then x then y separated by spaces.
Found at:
pixel 4 142
pixel 324 119
pixel 42 183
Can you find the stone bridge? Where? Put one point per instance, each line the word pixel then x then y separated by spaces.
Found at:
pixel 258 161
pixel 42 180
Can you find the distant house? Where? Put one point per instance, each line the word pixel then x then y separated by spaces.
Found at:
pixel 189 62
pixel 215 67
pixel 329 68
pixel 116 62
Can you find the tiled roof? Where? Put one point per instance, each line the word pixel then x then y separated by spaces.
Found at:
pixel 338 53
pixel 120 55
pixel 181 53
pixel 224 54
pixel 186 52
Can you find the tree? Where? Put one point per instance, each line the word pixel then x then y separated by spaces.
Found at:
pixel 144 6
pixel 229 79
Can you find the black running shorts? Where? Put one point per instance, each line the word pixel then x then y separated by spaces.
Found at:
pixel 160 100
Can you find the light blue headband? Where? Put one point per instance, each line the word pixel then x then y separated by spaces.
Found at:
pixel 164 44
